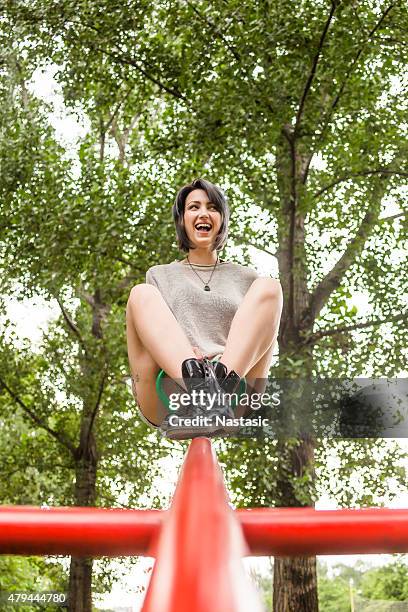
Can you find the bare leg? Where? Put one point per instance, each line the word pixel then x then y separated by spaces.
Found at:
pixel 254 328
pixel 144 372
pixel 155 340
pixel 149 320
pixel 256 379
pixel 157 329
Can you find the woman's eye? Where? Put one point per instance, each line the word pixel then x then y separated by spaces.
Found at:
pixel 211 206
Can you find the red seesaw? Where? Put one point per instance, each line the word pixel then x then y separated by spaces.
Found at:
pixel 199 542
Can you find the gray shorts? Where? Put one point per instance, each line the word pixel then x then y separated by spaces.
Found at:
pixel 141 415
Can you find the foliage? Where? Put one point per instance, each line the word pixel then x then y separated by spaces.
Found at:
pixel 30 574
pixel 375 585
pixel 334 593
pixel 300 115
pixel 389 582
pixel 263 585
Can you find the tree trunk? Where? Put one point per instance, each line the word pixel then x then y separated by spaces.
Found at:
pixel 299 574
pixel 295 579
pixel 80 584
pixel 80 576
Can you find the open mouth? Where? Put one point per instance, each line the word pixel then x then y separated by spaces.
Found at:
pixel 203 228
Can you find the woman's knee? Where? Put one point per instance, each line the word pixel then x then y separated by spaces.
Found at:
pixel 268 287
pixel 140 293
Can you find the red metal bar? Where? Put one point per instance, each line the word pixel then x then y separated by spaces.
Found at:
pixel 268 531
pixel 305 531
pixel 26 530
pixel 198 554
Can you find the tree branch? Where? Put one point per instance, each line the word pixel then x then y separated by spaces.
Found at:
pixel 127 263
pixel 216 31
pixel 100 311
pixel 313 68
pixel 360 325
pixel 333 278
pixel 96 407
pixel 242 240
pixel 72 326
pixel 86 296
pixel 354 248
pixel 131 62
pixel 355 60
pixel 56 358
pixel 122 138
pixel 390 40
pixel 349 72
pixel 392 217
pixel 342 179
pixel 116 110
pixel 125 282
pixel 61 438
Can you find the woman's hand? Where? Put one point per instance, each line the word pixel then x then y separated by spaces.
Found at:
pixel 197 352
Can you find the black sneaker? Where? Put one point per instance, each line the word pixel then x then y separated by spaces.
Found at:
pixel 187 423
pixel 202 385
pixel 222 405
pixel 230 384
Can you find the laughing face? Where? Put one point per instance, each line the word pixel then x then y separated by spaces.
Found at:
pixel 202 220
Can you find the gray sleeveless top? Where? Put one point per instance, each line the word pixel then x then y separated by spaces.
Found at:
pixel 205 316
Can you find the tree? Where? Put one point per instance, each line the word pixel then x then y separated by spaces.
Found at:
pixel 296 111
pixel 84 433
pixel 333 592
pixel 389 582
pixel 30 574
pixel 371 585
pixel 262 583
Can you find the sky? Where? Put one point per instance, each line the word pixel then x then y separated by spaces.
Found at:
pixel 32 317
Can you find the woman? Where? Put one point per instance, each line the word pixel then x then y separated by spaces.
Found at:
pixel 198 309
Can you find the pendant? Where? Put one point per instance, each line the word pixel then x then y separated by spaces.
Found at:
pixel 206 288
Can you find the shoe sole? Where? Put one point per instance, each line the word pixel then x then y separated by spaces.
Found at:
pixel 185 433
pixel 175 432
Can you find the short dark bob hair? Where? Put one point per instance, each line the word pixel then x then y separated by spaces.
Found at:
pixel 216 196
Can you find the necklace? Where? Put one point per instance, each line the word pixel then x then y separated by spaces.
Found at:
pixel 206 284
